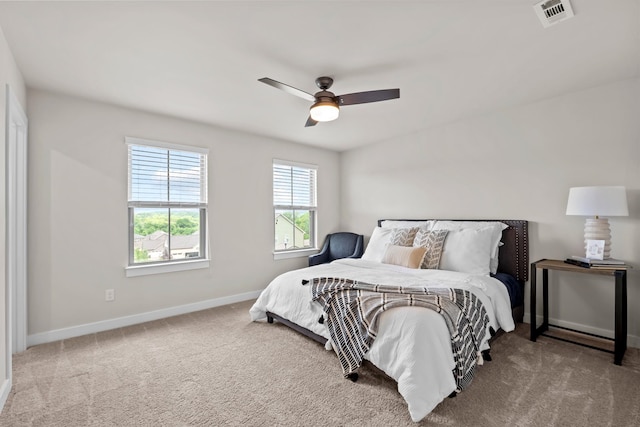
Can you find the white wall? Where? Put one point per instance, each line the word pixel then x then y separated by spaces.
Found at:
pixel 9 74
pixel 518 164
pixel 78 212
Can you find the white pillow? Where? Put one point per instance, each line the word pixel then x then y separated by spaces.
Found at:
pixel 468 250
pixel 493 267
pixel 497 228
pixel 406 224
pixel 378 243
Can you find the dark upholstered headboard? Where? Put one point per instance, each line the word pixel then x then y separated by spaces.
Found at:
pixel 514 254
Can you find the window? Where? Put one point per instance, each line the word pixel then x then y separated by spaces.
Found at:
pixel 167 202
pixel 294 206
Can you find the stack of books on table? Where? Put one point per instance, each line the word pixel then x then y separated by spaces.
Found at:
pixel 609 263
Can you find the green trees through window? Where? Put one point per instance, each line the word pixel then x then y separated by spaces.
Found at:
pixel 182 223
pixel 170 233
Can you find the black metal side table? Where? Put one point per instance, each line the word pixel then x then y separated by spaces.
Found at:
pixel 620 275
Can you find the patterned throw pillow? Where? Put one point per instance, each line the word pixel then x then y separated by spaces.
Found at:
pixel 433 241
pixel 403 236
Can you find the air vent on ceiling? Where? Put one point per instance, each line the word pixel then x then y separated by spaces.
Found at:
pixel 551 12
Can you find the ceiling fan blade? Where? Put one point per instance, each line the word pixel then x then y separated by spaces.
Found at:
pixel 289 89
pixel 370 96
pixel 310 122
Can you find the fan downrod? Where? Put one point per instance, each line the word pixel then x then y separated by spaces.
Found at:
pixel 324 83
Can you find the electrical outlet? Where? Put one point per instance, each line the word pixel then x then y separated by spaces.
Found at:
pixel 109 294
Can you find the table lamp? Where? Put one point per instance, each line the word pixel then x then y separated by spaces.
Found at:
pixel 597 202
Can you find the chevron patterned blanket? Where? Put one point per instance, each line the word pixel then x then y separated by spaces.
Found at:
pixel 352 309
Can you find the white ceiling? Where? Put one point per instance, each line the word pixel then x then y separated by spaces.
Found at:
pixel 201 60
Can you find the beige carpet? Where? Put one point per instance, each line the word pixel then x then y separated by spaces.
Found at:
pixel 215 368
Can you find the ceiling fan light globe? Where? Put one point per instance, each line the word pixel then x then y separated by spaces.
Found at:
pixel 323 111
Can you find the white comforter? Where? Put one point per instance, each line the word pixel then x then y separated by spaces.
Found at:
pixel 413 345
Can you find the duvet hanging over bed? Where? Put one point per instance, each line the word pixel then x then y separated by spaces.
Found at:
pixel 352 310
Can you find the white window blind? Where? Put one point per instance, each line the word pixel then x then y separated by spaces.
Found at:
pixel 294 186
pixel 166 177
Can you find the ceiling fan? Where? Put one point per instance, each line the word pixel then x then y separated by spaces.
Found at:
pixel 326 105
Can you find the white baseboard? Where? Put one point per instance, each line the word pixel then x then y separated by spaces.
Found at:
pixel 632 340
pixel 105 325
pixel 5 389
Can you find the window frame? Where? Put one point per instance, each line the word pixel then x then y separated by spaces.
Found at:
pixel 159 266
pixel 312 209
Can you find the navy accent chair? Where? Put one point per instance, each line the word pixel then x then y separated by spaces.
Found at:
pixel 337 246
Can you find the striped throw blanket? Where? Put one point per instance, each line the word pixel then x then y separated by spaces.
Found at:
pixel 352 310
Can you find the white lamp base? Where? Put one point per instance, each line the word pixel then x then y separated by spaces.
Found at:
pixel 598 229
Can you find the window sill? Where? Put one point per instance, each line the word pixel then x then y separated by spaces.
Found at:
pixel 294 254
pixel 143 270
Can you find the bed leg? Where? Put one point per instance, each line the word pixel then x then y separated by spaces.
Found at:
pixel 486 355
pixel 269 319
pixel 353 376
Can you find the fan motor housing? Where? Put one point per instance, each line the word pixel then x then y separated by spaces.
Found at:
pixel 326 97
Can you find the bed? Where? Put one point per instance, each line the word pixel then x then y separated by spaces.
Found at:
pixel 487 259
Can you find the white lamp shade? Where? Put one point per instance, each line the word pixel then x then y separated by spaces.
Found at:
pixel 598 201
